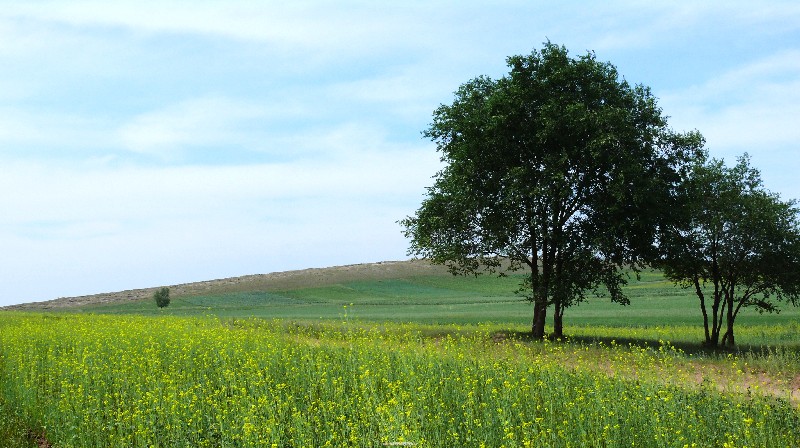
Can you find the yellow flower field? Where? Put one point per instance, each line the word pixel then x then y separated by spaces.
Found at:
pixel 131 381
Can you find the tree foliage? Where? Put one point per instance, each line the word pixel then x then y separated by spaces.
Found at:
pixel 560 168
pixel 737 246
pixel 161 296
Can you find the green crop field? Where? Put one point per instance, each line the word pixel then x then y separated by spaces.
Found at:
pixel 442 299
pixel 408 359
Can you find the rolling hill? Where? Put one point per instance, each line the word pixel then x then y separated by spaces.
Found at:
pixel 399 291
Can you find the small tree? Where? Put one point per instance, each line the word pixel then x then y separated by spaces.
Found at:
pixel 161 296
pixel 737 246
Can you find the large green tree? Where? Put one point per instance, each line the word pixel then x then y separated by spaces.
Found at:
pixel 560 168
pixel 737 245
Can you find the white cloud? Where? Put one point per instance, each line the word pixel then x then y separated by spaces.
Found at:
pixel 647 25
pixel 52 194
pixel 753 79
pixel 303 25
pixel 83 228
pixel 754 106
pixel 64 130
pixel 209 121
pixel 410 94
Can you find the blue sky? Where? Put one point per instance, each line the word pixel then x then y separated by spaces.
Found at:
pixel 155 143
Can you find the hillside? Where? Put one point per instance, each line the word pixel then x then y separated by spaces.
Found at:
pixel 276 281
pixel 400 291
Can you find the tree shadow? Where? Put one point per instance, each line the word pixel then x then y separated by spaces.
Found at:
pixel 698 348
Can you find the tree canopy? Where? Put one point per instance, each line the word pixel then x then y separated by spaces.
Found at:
pixel 560 168
pixel 161 296
pixel 737 245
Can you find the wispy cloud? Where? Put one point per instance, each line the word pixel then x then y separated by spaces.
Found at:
pixel 208 122
pixel 161 224
pixel 313 27
pixel 26 132
pixel 754 106
pixel 751 108
pixel 644 23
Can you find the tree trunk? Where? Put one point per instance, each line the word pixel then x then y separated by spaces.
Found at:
pixel 539 316
pixel 716 330
pixel 702 297
pixel 716 315
pixel 728 339
pixel 558 323
pixel 540 295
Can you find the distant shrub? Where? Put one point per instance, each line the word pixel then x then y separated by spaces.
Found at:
pixel 161 297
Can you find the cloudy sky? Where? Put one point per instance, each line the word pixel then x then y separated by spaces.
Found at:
pixel 155 143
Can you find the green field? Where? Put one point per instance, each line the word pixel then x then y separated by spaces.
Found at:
pixel 443 299
pixel 408 357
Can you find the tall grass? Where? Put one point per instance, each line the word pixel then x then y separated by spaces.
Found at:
pixel 14 432
pixel 131 381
